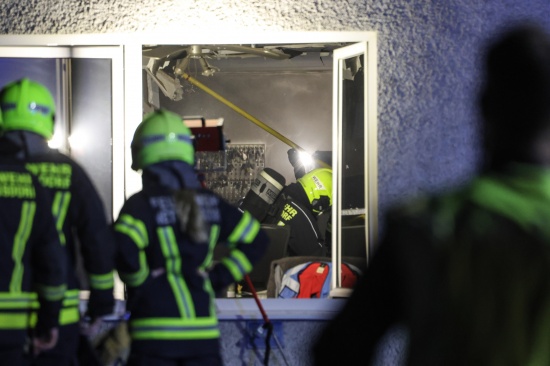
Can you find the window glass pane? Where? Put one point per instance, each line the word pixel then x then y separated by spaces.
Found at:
pixel 42 70
pixel 353 241
pixel 91 125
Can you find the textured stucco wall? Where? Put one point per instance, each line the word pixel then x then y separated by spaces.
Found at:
pixel 428 66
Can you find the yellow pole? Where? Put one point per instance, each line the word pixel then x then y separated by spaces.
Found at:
pixel 248 116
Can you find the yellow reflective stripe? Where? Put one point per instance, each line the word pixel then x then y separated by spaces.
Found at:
pixel 205 321
pixel 101 281
pixel 251 234
pixel 20 241
pixel 169 249
pixel 51 293
pixel 69 315
pixel 60 207
pixel 175 328
pixel 237 263
pixel 214 235
pixel 172 255
pixel 176 334
pixel 17 301
pixel 70 311
pixel 210 290
pixel 137 231
pixel 134 228
pixel 72 297
pixel 137 278
pixel 240 228
pixel 17 320
pixel 246 230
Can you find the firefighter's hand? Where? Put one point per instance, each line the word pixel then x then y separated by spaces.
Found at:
pixel 90 329
pixel 45 342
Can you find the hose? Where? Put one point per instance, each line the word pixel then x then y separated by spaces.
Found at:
pixel 247 115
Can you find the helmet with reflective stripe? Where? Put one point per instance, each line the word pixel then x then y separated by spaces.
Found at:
pixel 162 136
pixel 318 186
pixel 29 106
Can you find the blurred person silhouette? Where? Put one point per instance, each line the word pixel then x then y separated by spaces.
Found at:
pixel 166 235
pixel 32 267
pixel 467 271
pixel 28 118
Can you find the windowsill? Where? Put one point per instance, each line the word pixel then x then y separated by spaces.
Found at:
pixel 229 309
pixel 278 309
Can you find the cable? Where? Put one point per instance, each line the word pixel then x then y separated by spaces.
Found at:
pixel 267 325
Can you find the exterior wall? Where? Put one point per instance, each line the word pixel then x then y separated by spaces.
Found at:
pixel 429 53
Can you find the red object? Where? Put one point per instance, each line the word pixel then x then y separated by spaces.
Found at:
pixel 314 276
pixel 208 138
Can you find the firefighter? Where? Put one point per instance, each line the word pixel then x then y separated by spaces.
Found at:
pixel 32 265
pixel 462 276
pixel 305 206
pixel 28 110
pixel 166 235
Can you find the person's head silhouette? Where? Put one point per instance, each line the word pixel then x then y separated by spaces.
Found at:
pixel 515 100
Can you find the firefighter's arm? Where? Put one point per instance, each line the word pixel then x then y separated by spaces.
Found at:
pixel 247 244
pixel 99 265
pixel 132 239
pixel 96 244
pixel 49 264
pixel 101 301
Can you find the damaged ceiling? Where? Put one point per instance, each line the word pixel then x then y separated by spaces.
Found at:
pixel 165 64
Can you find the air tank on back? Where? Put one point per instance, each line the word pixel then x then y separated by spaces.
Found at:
pixel 263 192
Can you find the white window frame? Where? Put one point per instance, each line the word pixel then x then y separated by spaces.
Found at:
pixel 367 48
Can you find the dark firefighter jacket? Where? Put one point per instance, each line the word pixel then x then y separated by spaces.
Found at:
pixel 171 283
pixel 32 265
pixel 80 219
pixel 467 273
pixel 292 208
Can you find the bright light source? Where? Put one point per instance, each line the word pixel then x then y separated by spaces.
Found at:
pixel 56 142
pixel 78 141
pixel 306 160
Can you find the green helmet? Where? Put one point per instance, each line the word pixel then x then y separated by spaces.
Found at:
pixel 318 186
pixel 29 106
pixel 162 136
